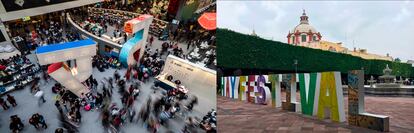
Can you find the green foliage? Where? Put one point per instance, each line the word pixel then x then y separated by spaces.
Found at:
pixel 397 60
pixel 236 50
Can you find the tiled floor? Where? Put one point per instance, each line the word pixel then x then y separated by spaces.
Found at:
pixel 239 116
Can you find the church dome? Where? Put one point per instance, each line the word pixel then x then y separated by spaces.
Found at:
pixel 304 28
pixel 304 34
pixel 304 25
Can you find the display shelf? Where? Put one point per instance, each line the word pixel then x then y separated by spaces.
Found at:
pixel 6 89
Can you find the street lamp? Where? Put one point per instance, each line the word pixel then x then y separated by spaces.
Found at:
pixel 295 62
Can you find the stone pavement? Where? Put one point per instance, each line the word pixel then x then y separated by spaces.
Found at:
pixel 239 116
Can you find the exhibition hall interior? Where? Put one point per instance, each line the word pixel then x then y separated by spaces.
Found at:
pixel 108 66
pixel 206 66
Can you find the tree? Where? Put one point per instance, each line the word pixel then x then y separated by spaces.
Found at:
pixel 397 60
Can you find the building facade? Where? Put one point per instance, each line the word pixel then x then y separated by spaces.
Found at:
pixel 306 35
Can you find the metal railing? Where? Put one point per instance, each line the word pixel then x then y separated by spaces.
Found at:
pixel 90 35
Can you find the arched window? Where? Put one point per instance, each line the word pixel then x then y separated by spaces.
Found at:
pixel 303 38
pixel 293 39
pixel 314 38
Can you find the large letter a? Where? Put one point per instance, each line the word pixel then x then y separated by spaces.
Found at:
pixel 331 97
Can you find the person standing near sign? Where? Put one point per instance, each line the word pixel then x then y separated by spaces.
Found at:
pixel 151 40
pixel 125 37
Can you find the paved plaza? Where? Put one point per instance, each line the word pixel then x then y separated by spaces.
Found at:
pixel 239 116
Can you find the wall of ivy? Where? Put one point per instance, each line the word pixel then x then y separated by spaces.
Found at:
pixel 237 50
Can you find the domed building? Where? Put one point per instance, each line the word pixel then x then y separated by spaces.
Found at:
pixel 304 34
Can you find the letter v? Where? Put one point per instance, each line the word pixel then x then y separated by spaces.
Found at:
pixel 307 84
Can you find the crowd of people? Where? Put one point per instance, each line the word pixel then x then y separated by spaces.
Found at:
pixel 105 62
pixel 50 33
pixel 172 47
pixel 152 115
pixel 157 110
pixel 37 120
pixel 97 21
pixel 46 33
pixel 144 7
pixel 151 63
pixel 113 116
pixel 189 32
pixel 70 106
pixel 16 72
pixel 208 123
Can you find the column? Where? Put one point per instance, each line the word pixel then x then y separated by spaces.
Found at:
pixel 297 39
pixel 288 39
pixel 310 37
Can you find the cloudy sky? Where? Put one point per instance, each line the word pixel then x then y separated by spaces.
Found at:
pixel 381 27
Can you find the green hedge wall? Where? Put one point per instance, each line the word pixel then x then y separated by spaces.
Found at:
pixel 236 50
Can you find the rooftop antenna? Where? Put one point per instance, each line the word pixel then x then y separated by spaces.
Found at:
pixel 253 27
pixel 353 43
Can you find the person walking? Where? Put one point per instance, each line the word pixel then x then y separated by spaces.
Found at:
pixel 78 116
pixel 11 100
pixel 57 104
pixel 98 100
pixel 95 83
pixel 40 95
pixel 128 73
pixel 116 75
pixel 188 44
pixel 125 37
pixel 41 120
pixel 64 102
pixel 151 40
pixel 16 124
pixel 4 104
pixel 59 130
pixel 33 121
pixel 13 126
pixel 135 92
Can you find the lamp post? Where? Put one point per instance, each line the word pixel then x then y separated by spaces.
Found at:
pixel 295 62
